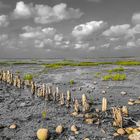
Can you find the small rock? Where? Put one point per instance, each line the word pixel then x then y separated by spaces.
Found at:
pixel 137 101
pixel 115 134
pixel 80 116
pixel 125 110
pixel 74 114
pixel 59 129
pixel 123 93
pixel 134 136
pixel 89 121
pixel 121 131
pixel 95 83
pixel 86 139
pixel 88 116
pixel 135 131
pixel 103 92
pixel 97 110
pixel 129 130
pixel 131 100
pixel 13 126
pixel 130 103
pixel 74 129
pixel 43 134
pixel 22 104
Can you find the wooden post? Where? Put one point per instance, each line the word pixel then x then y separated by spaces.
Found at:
pixel 76 106
pixel 68 99
pixel 62 99
pixel 85 104
pixel 104 104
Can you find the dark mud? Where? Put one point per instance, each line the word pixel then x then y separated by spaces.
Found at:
pixel 20 107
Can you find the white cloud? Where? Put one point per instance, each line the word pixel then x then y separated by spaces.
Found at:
pixel 107 45
pixel 58 37
pixel 46 38
pixel 118 30
pixel 136 18
pixel 38 32
pixel 92 48
pixel 45 14
pixel 138 42
pixel 114 39
pixel 22 10
pixel 81 46
pixel 88 29
pixel 3 37
pixel 4 21
pixel 131 44
pixel 119 47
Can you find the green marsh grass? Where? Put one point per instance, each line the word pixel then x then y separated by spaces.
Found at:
pixel 72 82
pixel 114 77
pixel 28 77
pixel 118 69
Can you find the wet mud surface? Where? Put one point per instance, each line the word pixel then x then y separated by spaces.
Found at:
pixel 18 106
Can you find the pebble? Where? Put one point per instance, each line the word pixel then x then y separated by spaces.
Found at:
pixel 43 134
pixel 74 129
pixel 103 92
pixel 95 83
pixel 121 131
pixel 137 101
pixel 123 93
pixel 22 105
pixel 59 129
pixel 130 103
pixel 86 139
pixel 135 136
pixel 13 126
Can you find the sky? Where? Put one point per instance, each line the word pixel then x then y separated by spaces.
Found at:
pixel 69 28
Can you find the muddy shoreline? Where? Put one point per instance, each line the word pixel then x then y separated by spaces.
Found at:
pixel 20 107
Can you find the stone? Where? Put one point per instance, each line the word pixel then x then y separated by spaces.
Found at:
pixel 13 126
pixel 135 136
pixel 137 101
pixel 130 103
pixel 43 134
pixel 59 129
pixel 129 130
pixel 103 91
pixel 121 131
pixel 123 93
pixel 74 129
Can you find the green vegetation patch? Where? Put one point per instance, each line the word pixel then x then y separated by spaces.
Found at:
pixel 28 77
pixel 72 82
pixel 118 69
pixel 128 63
pixel 114 77
pixel 74 63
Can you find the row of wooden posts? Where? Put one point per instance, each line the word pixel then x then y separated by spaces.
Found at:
pixel 50 93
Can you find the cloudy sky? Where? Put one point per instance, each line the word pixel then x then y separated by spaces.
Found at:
pixel 69 28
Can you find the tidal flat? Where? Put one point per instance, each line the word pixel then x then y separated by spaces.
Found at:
pixel 118 80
